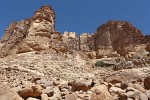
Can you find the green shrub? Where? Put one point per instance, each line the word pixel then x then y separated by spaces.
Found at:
pixel 100 64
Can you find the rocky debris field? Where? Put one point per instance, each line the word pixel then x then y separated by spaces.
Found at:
pixel 51 76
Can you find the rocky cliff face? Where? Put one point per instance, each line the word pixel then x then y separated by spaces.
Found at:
pixel 147 41
pixel 70 39
pixel 52 66
pixel 113 39
pixel 147 38
pixel 116 36
pixel 84 42
pixel 24 36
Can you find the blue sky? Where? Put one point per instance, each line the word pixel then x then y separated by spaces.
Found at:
pixel 79 15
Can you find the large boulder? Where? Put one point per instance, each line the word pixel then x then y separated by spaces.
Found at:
pixel 79 85
pixel 6 94
pixel 101 93
pixel 30 90
pixel 123 76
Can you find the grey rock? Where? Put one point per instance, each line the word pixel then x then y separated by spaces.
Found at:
pixel 49 91
pixel 44 82
pixel 116 90
pixel 143 96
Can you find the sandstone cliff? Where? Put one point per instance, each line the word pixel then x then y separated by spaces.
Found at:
pixel 33 34
pixel 84 42
pixel 117 37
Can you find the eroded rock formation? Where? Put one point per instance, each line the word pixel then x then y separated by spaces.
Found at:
pixel 117 37
pixel 84 42
pixel 47 74
pixel 70 40
pixel 33 34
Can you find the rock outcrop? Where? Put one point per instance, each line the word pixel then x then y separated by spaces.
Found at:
pixel 147 41
pixel 115 36
pixel 84 42
pixel 70 39
pixel 24 36
pixel 45 65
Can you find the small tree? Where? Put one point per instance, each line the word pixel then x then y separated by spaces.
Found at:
pixel 100 64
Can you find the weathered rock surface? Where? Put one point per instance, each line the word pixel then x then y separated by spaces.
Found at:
pixel 84 42
pixel 6 94
pixel 148 93
pixel 84 86
pixel 123 76
pixel 101 93
pixel 24 36
pixel 30 90
pixel 49 66
pixel 115 36
pixel 70 39
pixel 71 97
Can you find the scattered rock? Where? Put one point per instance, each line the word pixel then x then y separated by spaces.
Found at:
pixel 101 93
pixel 78 85
pixel 57 93
pixel 44 82
pixel 44 97
pixel 122 76
pixel 30 91
pixel 116 90
pixel 49 91
pixel 72 96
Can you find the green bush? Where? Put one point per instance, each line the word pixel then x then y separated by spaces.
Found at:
pixel 100 64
